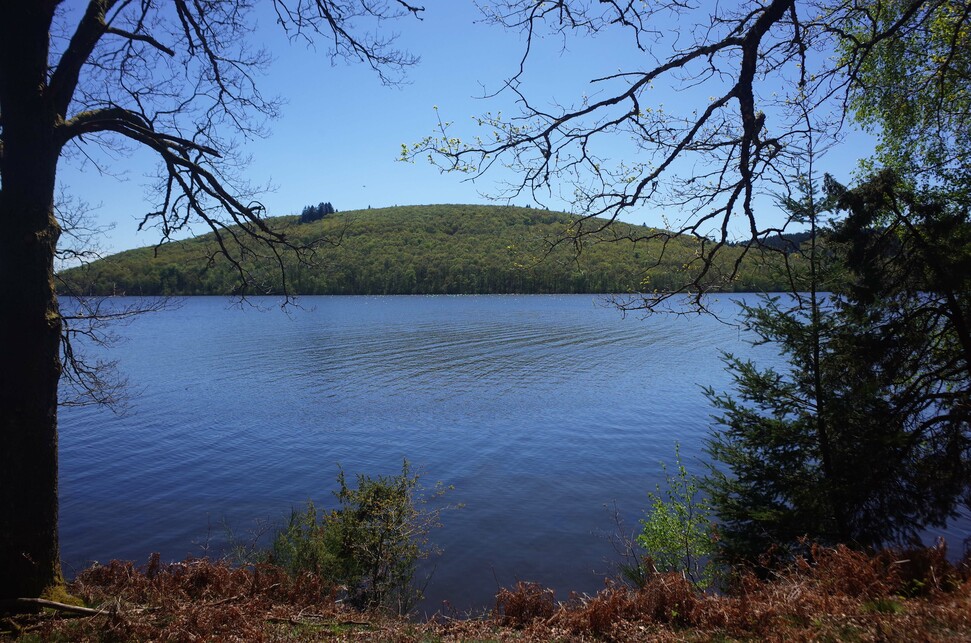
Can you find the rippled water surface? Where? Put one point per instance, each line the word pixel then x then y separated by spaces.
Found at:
pixel 540 410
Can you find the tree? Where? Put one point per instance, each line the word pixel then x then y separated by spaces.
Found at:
pixel 746 71
pixel 909 251
pixel 779 479
pixel 912 92
pixel 312 213
pixel 864 440
pixel 177 79
pixel 907 225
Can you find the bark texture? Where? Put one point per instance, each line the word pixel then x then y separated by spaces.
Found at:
pixel 30 323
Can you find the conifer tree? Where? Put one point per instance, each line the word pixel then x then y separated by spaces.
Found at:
pixel 863 438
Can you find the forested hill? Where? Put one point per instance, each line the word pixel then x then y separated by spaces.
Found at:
pixel 428 250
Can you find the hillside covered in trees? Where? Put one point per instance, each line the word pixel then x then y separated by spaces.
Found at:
pixel 434 249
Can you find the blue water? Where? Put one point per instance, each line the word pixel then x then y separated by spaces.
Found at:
pixel 540 410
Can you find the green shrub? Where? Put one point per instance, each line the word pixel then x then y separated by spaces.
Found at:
pixel 370 545
pixel 678 534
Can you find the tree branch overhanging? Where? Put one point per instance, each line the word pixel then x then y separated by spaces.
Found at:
pixel 712 162
pixel 141 52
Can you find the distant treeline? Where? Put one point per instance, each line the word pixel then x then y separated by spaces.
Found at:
pixel 438 249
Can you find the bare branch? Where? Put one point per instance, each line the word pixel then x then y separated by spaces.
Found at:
pixel 307 19
pixel 140 37
pixel 65 78
pixel 711 162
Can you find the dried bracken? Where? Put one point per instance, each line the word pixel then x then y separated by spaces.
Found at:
pixel 527 603
pixel 194 599
pixel 830 594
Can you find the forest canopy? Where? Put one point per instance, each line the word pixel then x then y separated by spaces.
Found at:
pixel 440 249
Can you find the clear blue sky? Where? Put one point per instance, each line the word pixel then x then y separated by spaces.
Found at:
pixel 341 131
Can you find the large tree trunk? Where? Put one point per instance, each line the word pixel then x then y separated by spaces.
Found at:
pixel 30 325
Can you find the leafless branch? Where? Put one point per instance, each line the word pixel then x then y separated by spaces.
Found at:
pixel 180 80
pixel 711 162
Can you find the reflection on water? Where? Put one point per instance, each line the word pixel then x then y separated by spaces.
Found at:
pixel 540 410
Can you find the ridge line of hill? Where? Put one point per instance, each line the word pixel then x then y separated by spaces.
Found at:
pixel 433 249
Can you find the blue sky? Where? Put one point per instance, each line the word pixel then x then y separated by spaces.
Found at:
pixel 341 131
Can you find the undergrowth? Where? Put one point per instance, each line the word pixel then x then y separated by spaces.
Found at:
pixel 830 594
pixel 370 545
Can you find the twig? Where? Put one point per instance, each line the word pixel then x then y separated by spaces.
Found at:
pixel 225 600
pixel 40 602
pixel 317 619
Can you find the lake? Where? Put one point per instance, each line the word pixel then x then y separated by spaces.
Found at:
pixel 541 411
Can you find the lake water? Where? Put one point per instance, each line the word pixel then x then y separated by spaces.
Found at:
pixel 540 410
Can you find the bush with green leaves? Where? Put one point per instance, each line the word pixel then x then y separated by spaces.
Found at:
pixel 678 534
pixel 370 544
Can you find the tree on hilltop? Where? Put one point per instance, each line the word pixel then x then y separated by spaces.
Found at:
pixel 312 213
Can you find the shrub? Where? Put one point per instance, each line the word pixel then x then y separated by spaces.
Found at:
pixel 678 534
pixel 370 544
